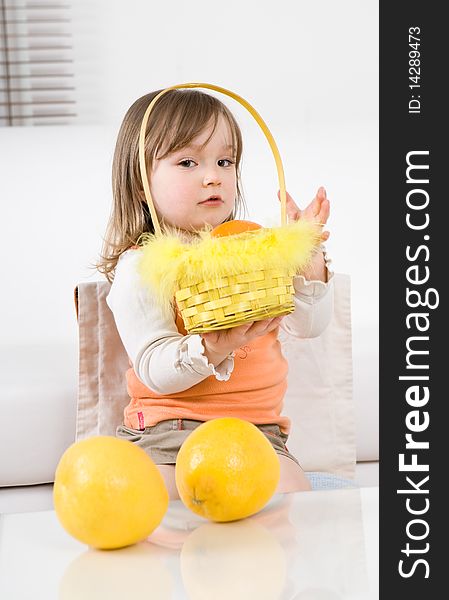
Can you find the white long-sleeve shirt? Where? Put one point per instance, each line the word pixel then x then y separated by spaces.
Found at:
pixel 166 361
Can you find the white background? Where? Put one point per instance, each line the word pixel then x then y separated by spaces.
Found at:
pixel 311 71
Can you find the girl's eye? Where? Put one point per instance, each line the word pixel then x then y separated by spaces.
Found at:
pixel 187 160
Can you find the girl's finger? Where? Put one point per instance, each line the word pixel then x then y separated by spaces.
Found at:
pixel 314 207
pixel 318 201
pixel 325 236
pixel 324 211
pixel 265 323
pixel 293 211
pixel 243 329
pixel 261 327
pixel 210 337
pixel 276 322
pixel 254 326
pixel 321 193
pixel 291 201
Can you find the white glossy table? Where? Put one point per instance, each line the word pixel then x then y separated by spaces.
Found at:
pixel 319 545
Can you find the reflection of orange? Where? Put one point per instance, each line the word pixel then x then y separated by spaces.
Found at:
pixel 95 574
pixel 233 227
pixel 234 560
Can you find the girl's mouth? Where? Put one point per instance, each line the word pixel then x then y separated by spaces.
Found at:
pixel 213 201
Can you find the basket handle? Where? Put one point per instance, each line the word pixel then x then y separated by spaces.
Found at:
pixel 243 102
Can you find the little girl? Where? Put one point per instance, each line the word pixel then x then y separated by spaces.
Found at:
pixel 176 381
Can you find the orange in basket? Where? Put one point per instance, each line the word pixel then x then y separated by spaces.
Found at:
pixel 234 227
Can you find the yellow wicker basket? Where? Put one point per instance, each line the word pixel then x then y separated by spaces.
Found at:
pixel 223 282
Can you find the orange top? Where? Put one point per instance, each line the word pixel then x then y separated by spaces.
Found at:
pixel 254 392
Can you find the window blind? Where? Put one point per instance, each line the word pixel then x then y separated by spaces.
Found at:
pixel 36 64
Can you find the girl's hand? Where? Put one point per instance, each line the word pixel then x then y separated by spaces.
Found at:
pixel 219 344
pixel 318 210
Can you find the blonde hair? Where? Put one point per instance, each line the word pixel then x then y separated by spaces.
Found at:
pixel 176 119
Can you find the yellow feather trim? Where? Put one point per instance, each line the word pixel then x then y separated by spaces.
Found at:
pixel 167 260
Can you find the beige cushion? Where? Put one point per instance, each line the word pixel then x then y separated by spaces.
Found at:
pixel 318 400
pixel 319 395
pixel 102 394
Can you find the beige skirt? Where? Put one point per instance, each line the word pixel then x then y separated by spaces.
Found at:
pixel 162 441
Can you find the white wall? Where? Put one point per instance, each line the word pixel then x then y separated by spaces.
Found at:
pixel 310 69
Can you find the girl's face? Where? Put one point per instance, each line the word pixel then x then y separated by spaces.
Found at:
pixel 182 181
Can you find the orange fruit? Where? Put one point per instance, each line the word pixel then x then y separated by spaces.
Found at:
pixel 234 227
pixel 226 470
pixel 108 493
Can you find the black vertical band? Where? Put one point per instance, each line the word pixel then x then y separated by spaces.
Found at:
pixel 413 327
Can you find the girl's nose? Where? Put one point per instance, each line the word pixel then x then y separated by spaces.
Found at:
pixel 211 176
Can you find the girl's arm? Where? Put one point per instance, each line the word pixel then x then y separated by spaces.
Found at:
pixel 164 360
pixel 317 271
pixel 314 288
pixel 314 302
